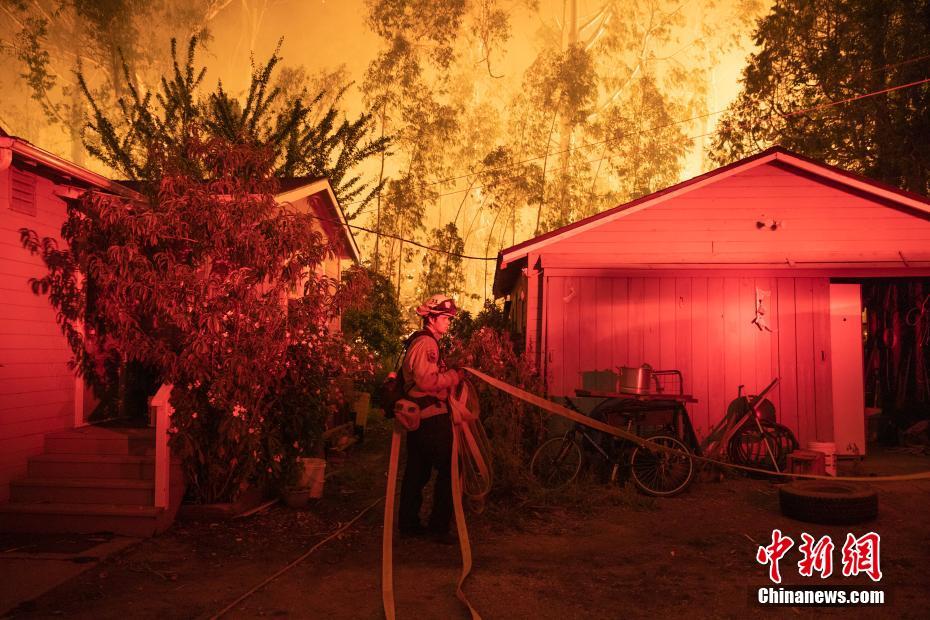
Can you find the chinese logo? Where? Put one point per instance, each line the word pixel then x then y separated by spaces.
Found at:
pixel 858 555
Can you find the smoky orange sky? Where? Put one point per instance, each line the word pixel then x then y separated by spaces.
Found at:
pixel 324 34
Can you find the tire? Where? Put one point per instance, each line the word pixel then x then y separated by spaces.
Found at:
pixel 556 462
pixel 748 445
pixel 828 502
pixel 661 473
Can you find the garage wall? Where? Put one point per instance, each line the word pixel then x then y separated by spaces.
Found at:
pixel 703 327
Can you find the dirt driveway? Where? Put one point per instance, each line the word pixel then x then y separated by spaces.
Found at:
pixel 625 557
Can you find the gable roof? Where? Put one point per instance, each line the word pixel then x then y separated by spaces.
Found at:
pixel 333 219
pixel 290 189
pixel 510 259
pixel 775 153
pixel 287 184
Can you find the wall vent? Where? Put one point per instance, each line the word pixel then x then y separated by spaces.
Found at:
pixel 23 191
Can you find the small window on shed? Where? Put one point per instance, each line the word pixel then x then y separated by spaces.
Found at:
pixel 23 191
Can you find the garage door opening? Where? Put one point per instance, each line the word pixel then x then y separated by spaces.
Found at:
pixel 896 359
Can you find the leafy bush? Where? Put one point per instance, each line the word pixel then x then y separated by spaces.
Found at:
pixel 189 280
pixel 194 284
pixel 514 427
pixel 491 315
pixel 378 324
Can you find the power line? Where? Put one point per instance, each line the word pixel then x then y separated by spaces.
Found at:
pixel 398 238
pixel 857 97
pixel 421 245
pixel 440 250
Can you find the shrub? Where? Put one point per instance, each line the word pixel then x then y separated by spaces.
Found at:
pixel 514 427
pixel 193 283
pixel 378 324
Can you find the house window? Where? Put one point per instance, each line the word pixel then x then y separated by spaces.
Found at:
pixel 22 191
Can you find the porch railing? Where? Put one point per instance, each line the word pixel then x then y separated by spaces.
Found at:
pixel 160 411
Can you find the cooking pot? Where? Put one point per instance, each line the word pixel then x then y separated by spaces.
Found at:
pixel 635 380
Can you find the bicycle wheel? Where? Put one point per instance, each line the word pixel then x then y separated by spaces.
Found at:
pixel 763 448
pixel 556 462
pixel 662 473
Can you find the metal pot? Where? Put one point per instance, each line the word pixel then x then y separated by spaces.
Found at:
pixel 635 380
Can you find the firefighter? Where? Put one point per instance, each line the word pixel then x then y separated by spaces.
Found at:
pixel 427 383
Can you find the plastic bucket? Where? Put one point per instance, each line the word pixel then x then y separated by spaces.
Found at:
pixel 828 448
pixel 313 476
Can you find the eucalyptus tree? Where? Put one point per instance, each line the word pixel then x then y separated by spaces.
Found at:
pixel 49 41
pixel 605 97
pixel 416 90
pixel 595 119
pixel 442 272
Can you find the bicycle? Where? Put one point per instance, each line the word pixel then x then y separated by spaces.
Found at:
pixel 661 473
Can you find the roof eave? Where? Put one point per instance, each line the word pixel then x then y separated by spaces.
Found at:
pixel 856 181
pixel 41 156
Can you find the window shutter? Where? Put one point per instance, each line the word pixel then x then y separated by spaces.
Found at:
pixel 23 192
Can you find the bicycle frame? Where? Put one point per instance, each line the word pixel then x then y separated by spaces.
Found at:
pixel 580 429
pixel 613 460
pixel 559 459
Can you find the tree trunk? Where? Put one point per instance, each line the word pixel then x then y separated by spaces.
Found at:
pixel 378 199
pixel 569 40
pixel 76 117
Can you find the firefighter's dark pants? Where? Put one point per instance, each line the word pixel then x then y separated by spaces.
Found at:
pixel 428 448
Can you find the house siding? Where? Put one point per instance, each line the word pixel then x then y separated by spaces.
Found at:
pixel 702 326
pixel 817 221
pixel 36 386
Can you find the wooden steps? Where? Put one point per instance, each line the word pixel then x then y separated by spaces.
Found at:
pixel 121 491
pixel 92 479
pixel 91 466
pixel 133 441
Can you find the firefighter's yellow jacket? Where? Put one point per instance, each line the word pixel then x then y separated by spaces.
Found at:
pixel 426 379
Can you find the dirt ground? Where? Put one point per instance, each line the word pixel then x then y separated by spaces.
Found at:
pixel 626 556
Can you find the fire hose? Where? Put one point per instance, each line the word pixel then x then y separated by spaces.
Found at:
pixel 470 447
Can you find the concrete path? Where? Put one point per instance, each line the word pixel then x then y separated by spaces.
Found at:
pixel 33 564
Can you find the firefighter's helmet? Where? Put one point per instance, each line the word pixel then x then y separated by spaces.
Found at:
pixel 437 304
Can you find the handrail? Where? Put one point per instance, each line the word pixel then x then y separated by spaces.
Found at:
pixel 160 410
